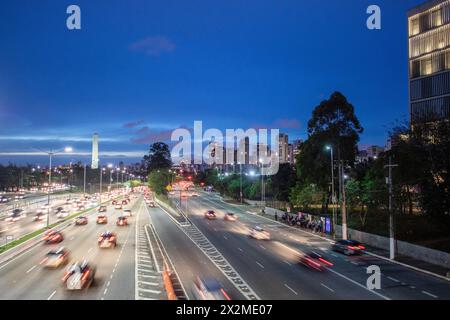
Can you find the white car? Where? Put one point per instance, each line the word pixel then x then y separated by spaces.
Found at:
pixel 259 233
pixel 62 214
pixel 16 215
pixel 44 209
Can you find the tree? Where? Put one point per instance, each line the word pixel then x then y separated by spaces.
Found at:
pixel 158 157
pixel 158 180
pixel 282 182
pixel 333 123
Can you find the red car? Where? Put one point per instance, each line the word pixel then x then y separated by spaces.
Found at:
pixel 210 214
pixel 107 240
pixel 122 221
pixel 79 221
pixel 314 261
pixel 102 220
pixel 79 276
pixel 53 236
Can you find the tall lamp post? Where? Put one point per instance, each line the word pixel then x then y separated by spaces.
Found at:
pixel 333 196
pixel 50 154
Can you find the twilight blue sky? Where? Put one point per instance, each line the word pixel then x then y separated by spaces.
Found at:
pixel 139 69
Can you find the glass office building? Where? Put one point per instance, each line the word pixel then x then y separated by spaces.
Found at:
pixel 429 61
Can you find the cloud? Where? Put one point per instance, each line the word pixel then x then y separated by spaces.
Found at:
pixel 58 138
pixel 133 124
pixel 153 45
pixel 287 123
pixel 147 137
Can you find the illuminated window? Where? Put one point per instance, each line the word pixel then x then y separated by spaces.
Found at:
pixel 436 18
pixel 414 27
pixel 426 67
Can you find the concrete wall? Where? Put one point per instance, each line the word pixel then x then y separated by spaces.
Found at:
pixel 403 248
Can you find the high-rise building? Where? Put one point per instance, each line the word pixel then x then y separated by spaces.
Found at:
pixel 95 159
pixel 429 62
pixel 296 148
pixel 283 154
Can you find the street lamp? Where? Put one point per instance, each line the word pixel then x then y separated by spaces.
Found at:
pixel 51 153
pixel 333 196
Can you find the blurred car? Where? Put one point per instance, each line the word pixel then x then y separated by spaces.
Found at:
pixel 62 214
pixel 52 236
pixel 55 258
pixel 16 215
pixel 118 207
pixel 125 202
pixel 122 221
pixel 210 214
pixel 39 217
pixel 102 219
pixel 79 221
pixel 348 247
pixel 259 233
pixel 208 289
pixel 151 204
pixel 229 216
pixel 102 209
pixel 79 276
pixel 107 240
pixel 44 209
pixel 114 202
pixel 314 260
pixel 59 209
pixel 127 213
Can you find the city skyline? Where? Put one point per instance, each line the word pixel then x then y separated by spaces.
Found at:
pixel 128 74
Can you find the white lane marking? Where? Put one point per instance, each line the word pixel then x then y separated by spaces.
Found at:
pixel 90 249
pixel 149 283
pixel 393 279
pixel 225 237
pixel 104 292
pixel 291 289
pixel 259 264
pixel 109 282
pixel 355 263
pixel 151 291
pixel 240 250
pixel 429 294
pixel 412 287
pixel 358 284
pixel 51 296
pixel 262 247
pixel 72 238
pixel 31 269
pixel 288 263
pixel 111 276
pixel 326 287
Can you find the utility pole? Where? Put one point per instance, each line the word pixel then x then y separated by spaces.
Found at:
pixel 240 180
pixel 391 214
pixel 343 200
pixel 84 180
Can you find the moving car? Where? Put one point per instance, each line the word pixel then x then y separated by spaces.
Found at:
pixel 125 202
pixel 15 215
pixel 39 217
pixel 55 258
pixel 58 210
pixel 79 276
pixel 118 207
pixel 114 202
pixel 102 219
pixel 122 221
pixel 259 233
pixel 44 209
pixel 314 260
pixel 107 240
pixel 53 236
pixel 210 214
pixel 102 209
pixel 348 247
pixel 62 214
pixel 208 289
pixel 79 221
pixel 229 216
pixel 127 213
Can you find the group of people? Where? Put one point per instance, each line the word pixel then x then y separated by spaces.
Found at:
pixel 315 225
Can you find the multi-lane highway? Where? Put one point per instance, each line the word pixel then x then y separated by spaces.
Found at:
pixel 246 268
pixel 272 270
pixel 24 278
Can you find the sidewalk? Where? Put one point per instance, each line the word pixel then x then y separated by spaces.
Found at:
pixel 409 262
